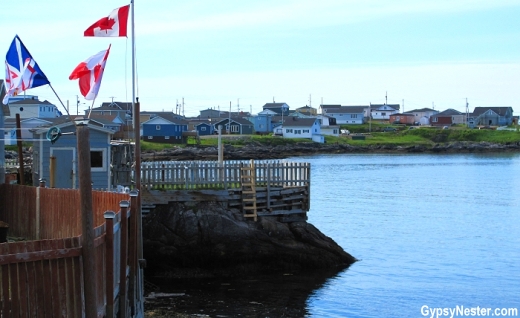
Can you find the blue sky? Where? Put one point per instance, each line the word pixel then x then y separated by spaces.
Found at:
pixel 351 52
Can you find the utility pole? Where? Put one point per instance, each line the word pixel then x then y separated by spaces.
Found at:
pixel 403 106
pixel 467 113
pixel 370 117
pixel 77 105
pixel 229 119
pixel 183 107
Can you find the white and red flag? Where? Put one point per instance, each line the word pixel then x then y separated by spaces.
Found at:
pixel 90 74
pixel 115 24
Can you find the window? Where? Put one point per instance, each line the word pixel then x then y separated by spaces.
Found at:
pixel 150 137
pixel 383 114
pixel 306 131
pixel 202 128
pixel 157 127
pixel 166 137
pixel 334 131
pixel 434 119
pixel 353 116
pixel 234 128
pixel 297 132
pixel 97 160
pixel 288 130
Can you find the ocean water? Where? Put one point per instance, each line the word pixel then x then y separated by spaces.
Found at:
pixel 430 232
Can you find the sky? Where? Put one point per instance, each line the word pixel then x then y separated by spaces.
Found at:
pixel 240 55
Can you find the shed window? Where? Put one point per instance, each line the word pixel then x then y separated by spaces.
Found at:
pixel 98 160
pixel 166 137
pixel 202 128
pixel 157 127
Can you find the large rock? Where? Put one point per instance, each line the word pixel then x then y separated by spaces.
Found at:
pixel 205 237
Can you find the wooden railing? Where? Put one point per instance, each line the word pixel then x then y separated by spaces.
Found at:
pixel 194 175
pixel 44 278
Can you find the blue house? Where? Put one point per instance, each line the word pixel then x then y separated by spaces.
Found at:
pixel 235 126
pixel 4 111
pixel 164 128
pixel 57 162
pixel 205 129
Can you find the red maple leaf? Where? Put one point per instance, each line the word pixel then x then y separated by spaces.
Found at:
pixel 106 24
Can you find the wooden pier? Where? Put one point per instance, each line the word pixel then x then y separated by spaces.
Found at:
pixel 259 188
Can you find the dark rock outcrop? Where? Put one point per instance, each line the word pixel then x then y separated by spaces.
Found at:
pixel 204 237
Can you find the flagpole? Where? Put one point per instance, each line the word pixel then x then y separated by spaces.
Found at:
pixel 133 64
pixel 66 110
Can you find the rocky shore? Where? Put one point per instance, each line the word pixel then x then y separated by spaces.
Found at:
pixel 201 239
pixel 255 150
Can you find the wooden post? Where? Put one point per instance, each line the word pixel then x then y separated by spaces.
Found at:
pixel 109 256
pixel 132 250
pixel 52 171
pixel 21 169
pixel 85 190
pixel 124 258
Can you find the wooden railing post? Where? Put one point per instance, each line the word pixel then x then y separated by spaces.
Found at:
pixel 109 256
pixel 123 261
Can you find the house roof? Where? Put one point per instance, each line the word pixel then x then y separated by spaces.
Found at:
pixel 114 106
pixel 501 110
pixel 448 112
pixel 299 122
pixel 65 122
pixel 330 106
pixel 394 106
pixel 402 114
pixel 171 117
pixel 238 120
pixel 274 105
pixel 346 110
pixel 30 101
pixel 421 110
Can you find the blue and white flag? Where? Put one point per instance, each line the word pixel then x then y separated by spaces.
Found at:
pixel 21 70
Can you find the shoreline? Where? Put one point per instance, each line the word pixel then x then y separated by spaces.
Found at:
pixel 259 151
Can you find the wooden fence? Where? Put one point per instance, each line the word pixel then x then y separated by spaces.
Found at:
pixel 194 175
pixel 35 213
pixel 44 278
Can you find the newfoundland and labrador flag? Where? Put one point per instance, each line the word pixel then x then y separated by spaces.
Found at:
pixel 21 70
pixel 113 25
pixel 90 74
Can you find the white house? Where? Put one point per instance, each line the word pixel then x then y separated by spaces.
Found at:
pixel 422 116
pixel 328 126
pixel 295 127
pixel 383 111
pixel 29 107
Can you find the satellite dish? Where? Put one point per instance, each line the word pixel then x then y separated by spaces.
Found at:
pixel 53 134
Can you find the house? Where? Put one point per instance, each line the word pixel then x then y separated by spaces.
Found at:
pixel 325 107
pixel 26 125
pixel 307 110
pixel 235 125
pixel 122 109
pixel 448 117
pixel 4 111
pixel 263 122
pixel 422 116
pixel 57 162
pixel 353 115
pixel 205 128
pixel 302 128
pixel 493 116
pixel 278 108
pixel 402 118
pixel 383 111
pixel 165 127
pixel 30 106
pixel 328 125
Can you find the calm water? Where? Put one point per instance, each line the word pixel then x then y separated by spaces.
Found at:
pixel 435 230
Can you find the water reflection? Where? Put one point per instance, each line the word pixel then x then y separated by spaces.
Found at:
pixel 276 295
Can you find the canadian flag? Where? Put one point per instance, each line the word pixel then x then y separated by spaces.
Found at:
pixel 113 25
pixel 90 74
